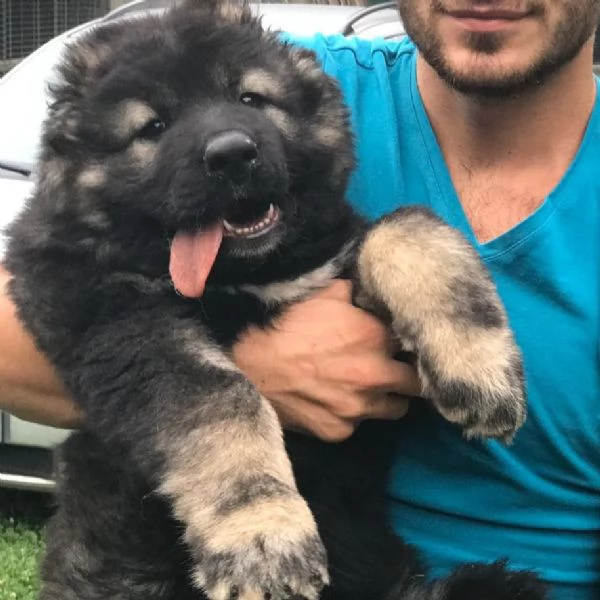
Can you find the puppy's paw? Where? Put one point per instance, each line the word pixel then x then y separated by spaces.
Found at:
pixel 268 550
pixel 474 376
pixel 426 279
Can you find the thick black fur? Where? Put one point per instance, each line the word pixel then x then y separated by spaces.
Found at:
pixel 90 256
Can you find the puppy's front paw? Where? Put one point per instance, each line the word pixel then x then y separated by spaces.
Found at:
pixel 474 376
pixel 269 549
pixel 428 281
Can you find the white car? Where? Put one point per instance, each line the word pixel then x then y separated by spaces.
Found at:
pixel 25 448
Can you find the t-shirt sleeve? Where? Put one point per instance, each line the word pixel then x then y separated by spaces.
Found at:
pixel 335 51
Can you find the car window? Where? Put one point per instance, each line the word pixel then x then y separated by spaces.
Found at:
pixel 23 91
pixel 23 105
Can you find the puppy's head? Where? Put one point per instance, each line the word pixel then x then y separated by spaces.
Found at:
pixel 197 124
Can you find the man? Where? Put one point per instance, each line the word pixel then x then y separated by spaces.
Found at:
pixel 495 125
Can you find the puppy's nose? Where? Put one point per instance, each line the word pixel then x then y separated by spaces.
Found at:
pixel 229 150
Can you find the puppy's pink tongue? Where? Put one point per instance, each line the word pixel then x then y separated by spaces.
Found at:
pixel 192 258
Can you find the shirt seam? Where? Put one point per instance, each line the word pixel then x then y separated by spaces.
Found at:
pixel 389 61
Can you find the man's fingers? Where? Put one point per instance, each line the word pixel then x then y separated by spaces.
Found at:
pixel 387 375
pixel 318 421
pixel 387 407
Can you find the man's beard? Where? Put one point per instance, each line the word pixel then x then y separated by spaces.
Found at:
pixel 576 27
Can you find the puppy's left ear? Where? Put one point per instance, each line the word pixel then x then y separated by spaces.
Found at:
pixel 238 11
pixel 212 5
pixel 300 53
pixel 306 63
pixel 74 75
pixel 308 70
pixel 186 4
pixel 60 129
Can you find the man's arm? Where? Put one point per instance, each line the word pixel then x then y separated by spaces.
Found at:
pixel 29 387
pixel 325 367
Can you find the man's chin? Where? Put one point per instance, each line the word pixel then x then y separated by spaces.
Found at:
pixel 505 74
pixel 488 80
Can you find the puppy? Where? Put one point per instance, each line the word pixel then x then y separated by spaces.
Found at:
pixel 191 183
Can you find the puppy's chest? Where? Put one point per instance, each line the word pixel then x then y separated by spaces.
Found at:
pixel 229 310
pixel 226 314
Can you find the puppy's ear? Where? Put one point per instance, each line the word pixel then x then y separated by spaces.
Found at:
pixel 73 77
pixel 206 4
pixel 305 61
pixel 211 5
pixel 60 129
pixel 307 69
pixel 82 65
pixel 62 122
pixel 232 10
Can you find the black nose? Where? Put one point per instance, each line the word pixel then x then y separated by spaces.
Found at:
pixel 229 150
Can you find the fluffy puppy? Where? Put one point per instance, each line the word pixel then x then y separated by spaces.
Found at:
pixel 191 183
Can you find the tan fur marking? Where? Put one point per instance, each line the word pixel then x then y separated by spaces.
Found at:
pixel 282 121
pixel 480 357
pixel 262 82
pixel 301 287
pixel 208 352
pixel 330 136
pixel 69 128
pixel 131 115
pixel 212 455
pixel 95 219
pixel 142 151
pixel 408 260
pixel 309 69
pixel 292 291
pixel 92 56
pixel 53 171
pixel 230 11
pixel 285 520
pixel 92 177
pixel 222 591
pixel 201 464
pixel 417 268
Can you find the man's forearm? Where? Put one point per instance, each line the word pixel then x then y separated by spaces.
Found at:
pixel 39 407
pixel 29 387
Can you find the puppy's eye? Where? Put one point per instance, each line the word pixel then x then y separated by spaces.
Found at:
pixel 152 129
pixel 253 99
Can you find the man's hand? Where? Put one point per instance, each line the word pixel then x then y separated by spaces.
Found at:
pixel 326 366
pixel 29 387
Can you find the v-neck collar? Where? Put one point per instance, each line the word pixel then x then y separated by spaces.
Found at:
pixel 447 202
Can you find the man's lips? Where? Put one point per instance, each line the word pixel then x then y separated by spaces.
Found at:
pixel 488 15
pixel 486 20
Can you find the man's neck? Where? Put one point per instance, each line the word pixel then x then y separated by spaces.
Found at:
pixel 543 126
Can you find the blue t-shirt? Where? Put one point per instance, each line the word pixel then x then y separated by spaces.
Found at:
pixel 536 502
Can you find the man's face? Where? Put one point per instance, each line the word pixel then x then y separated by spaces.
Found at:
pixel 498 47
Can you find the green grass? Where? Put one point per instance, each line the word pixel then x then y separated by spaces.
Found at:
pixel 20 551
pixel 21 544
